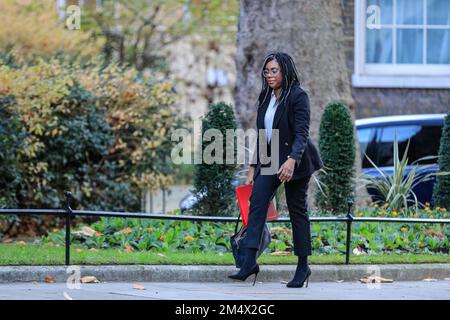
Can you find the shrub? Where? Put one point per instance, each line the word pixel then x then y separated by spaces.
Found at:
pixel 397 189
pixel 337 149
pixel 76 122
pixel 11 136
pixel 102 132
pixel 188 236
pixel 213 181
pixel 441 192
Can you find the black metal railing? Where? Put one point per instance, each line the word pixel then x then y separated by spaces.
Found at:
pixel 349 219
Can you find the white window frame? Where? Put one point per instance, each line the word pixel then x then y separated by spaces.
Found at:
pixel 368 75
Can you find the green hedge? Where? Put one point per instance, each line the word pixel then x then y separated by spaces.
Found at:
pixel 441 192
pixel 100 131
pixel 214 179
pixel 337 149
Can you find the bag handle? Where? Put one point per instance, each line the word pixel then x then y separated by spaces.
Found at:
pixel 237 223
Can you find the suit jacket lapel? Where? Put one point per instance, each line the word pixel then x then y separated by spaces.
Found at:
pixel 278 113
pixel 261 113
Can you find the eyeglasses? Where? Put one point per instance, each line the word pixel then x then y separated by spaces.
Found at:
pixel 273 72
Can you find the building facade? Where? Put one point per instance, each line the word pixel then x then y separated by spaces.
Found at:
pixel 398 55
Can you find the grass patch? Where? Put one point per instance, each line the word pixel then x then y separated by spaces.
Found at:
pixel 26 254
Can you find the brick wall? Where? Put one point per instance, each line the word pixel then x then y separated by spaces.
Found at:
pixel 384 101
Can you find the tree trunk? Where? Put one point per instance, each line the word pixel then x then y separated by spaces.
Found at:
pixel 312 33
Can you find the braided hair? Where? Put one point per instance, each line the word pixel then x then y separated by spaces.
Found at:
pixel 289 72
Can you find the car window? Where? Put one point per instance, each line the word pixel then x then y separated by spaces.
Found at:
pixel 367 144
pixel 424 142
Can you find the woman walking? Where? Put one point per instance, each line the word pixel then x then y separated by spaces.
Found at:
pixel 284 113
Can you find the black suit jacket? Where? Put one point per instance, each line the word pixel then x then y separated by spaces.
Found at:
pixel 292 118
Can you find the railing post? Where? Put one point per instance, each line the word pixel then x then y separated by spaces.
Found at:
pixel 68 219
pixel 349 231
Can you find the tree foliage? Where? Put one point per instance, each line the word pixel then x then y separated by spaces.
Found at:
pixel 137 32
pixel 71 120
pixel 32 28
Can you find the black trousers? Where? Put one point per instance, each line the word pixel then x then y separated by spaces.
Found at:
pixel 264 189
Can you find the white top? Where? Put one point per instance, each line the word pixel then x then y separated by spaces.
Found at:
pixel 270 113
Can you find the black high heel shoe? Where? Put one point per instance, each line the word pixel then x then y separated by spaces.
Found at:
pixel 243 275
pixel 299 284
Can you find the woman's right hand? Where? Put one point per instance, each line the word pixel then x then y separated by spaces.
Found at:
pixel 250 173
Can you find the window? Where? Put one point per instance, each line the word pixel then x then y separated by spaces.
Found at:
pixel 367 145
pixel 402 43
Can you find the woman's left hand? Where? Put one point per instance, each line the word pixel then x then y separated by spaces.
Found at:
pixel 286 170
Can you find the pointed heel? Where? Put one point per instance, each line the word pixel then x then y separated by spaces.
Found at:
pixel 256 275
pixel 299 283
pixel 243 275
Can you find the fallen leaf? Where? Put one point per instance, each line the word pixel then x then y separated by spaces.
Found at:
pixel 138 286
pixel 89 232
pixel 373 279
pixel 125 231
pixel 49 279
pixel 281 253
pixel 89 279
pixel 282 230
pixel 435 234
pixel 128 248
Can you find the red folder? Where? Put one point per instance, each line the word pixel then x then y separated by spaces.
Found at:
pixel 243 194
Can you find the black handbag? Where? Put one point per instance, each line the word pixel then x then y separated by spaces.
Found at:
pixel 237 238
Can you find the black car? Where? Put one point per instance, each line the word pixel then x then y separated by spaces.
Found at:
pixel 376 139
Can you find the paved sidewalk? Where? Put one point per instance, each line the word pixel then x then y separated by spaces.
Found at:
pixel 405 290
